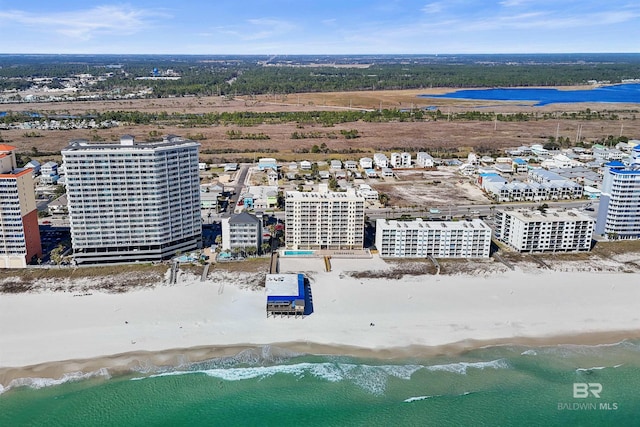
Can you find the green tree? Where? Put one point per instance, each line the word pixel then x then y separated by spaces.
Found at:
pixel 56 254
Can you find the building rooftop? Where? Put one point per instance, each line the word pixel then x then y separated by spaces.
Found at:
pixel 284 286
pixel 550 215
pixel 320 195
pixel 433 225
pixel 127 143
pixel 243 218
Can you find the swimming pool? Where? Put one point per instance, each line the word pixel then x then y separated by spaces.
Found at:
pixel 298 253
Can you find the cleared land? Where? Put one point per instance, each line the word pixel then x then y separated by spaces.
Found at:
pixel 441 137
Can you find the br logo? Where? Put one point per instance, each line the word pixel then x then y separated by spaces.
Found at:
pixel 583 390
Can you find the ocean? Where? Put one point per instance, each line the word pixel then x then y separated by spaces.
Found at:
pixel 501 385
pixel 622 93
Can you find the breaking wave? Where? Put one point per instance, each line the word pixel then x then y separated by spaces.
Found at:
pixel 371 378
pixel 38 383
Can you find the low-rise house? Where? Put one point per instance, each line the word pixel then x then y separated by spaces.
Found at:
pixel 49 173
pixel 58 206
pixel 35 165
pixel 380 160
pixel 396 160
pixel 405 160
pixel 487 160
pixel 335 164
pixel 560 161
pixel 387 172
pixel 305 165
pixel 606 154
pixel 367 192
pixel 341 175
pixel 366 163
pixel 351 165
pixel 520 165
pixel 202 166
pixel 272 177
pixel 424 160
pixel 261 197
pixel 371 173
pixel 230 167
pixel 267 163
pixel 241 231
pixel 210 196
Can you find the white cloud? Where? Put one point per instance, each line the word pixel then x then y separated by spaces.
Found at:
pixel 84 24
pixel 433 8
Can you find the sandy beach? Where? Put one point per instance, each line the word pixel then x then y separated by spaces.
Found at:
pixel 50 334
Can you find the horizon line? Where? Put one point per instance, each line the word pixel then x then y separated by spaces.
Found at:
pixel 320 54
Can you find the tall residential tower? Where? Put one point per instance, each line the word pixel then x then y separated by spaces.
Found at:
pixel 619 209
pixel 19 233
pixel 133 201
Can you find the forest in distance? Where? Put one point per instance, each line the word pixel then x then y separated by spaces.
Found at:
pixel 281 74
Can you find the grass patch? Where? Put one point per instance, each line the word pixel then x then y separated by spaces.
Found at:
pixel 111 278
pixel 250 265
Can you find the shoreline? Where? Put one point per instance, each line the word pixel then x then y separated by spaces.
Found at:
pixel 53 334
pixel 152 362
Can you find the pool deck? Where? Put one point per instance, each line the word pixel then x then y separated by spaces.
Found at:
pixel 332 253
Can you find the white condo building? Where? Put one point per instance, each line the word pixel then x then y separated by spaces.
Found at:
pixel 19 232
pixel 439 239
pixel 133 201
pixel 552 231
pixel 619 209
pixel 324 220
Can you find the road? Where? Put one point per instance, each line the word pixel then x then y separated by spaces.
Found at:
pixel 476 210
pixel 466 210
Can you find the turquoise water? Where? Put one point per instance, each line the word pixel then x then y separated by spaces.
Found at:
pixel 298 253
pixel 504 385
pixel 544 96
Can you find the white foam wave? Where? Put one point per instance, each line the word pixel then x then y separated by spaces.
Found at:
pixel 417 398
pixel 461 367
pixel 38 383
pixel 368 377
pixel 529 353
pixel 595 368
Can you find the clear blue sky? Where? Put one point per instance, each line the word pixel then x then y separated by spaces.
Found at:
pixel 319 26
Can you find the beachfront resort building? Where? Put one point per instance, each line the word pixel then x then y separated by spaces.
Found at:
pixel 619 209
pixel 133 201
pixel 528 230
pixel 19 233
pixel 241 231
pixel 324 219
pixel 439 239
